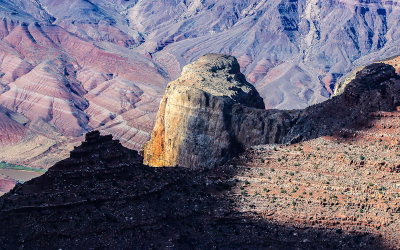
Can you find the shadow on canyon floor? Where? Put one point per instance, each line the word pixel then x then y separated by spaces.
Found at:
pixel 103 197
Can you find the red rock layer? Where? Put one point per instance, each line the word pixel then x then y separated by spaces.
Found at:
pixel 11 131
pixel 75 86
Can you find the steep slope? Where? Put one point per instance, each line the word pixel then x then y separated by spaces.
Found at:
pixel 109 61
pixel 103 197
pixel 211 113
pixel 321 40
pixel 349 179
pixel 11 125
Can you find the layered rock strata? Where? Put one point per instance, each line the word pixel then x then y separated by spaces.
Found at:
pixel 211 113
pixel 12 127
pixel 203 114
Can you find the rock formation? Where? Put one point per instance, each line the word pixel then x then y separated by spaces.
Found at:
pixel 375 88
pixel 50 75
pixel 81 65
pixel 393 61
pixel 211 113
pixel 202 115
pixel 103 197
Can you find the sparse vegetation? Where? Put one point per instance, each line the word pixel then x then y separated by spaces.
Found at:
pixel 4 165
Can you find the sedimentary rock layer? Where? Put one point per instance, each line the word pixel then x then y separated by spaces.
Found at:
pixel 211 113
pixel 194 122
pixel 12 127
pixel 104 65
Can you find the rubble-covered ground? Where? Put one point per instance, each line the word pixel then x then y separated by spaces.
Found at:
pixel 349 181
pixel 103 197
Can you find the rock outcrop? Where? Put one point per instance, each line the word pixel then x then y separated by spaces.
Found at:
pixel 206 116
pixel 368 75
pixel 375 88
pixel 102 196
pixel 80 66
pixel 211 113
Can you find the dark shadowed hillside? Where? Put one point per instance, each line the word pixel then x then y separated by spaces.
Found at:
pixel 103 197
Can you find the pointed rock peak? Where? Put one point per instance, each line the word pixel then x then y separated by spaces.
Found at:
pixel 98 151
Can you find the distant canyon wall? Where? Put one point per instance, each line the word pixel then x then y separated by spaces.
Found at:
pixel 73 66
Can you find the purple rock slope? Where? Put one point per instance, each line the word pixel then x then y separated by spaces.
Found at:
pixel 80 65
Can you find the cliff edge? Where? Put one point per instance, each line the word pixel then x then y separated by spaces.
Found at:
pixel 211 113
pixel 193 126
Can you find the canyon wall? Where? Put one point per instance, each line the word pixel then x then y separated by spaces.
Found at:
pixel 211 113
pixel 71 67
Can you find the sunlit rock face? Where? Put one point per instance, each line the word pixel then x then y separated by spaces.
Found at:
pixel 211 113
pixel 192 125
pixel 206 116
pixel 75 66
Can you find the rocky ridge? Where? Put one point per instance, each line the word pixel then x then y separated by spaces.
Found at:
pixel 103 197
pixel 340 86
pixel 375 88
pixel 105 64
pixel 200 124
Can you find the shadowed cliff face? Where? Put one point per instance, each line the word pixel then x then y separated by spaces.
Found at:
pixel 211 113
pixel 103 197
pixel 375 88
